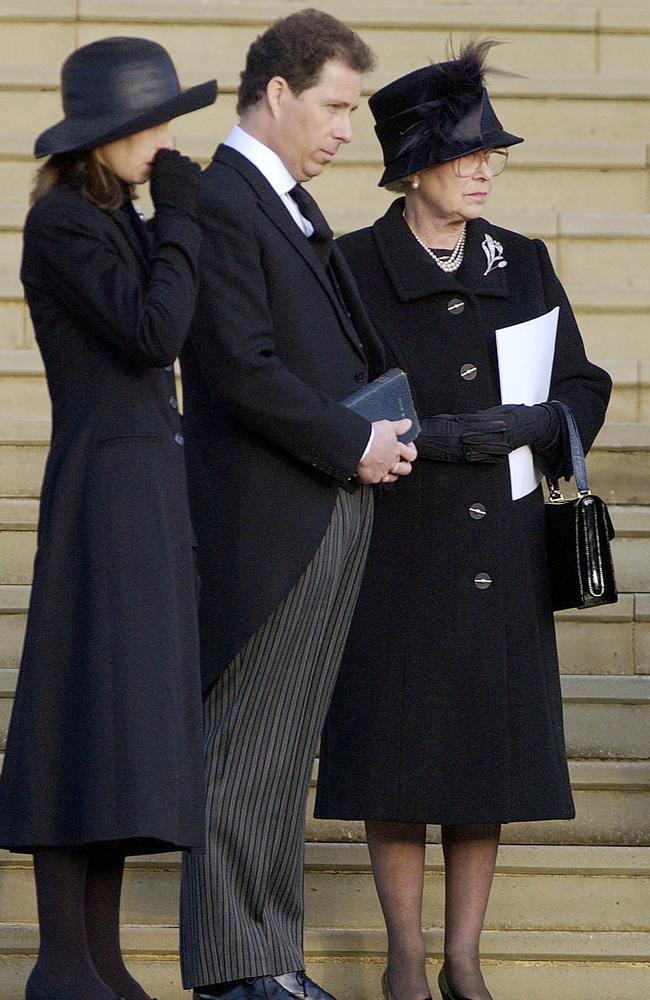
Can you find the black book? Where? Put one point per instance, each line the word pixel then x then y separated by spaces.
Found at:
pixel 387 398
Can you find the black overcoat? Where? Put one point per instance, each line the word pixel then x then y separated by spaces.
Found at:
pixel 448 707
pixel 270 350
pixel 105 737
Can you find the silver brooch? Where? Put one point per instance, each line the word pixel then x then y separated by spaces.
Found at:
pixel 494 254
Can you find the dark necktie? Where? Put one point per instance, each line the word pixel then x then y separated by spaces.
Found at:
pixel 321 238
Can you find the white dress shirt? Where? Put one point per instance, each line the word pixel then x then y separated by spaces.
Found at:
pixel 273 169
pixel 275 172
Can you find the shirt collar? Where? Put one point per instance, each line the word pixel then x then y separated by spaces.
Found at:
pixel 267 162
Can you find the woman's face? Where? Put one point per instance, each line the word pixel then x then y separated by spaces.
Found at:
pixel 131 158
pixel 448 195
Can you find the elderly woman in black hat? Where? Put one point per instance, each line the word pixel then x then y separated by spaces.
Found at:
pixel 104 751
pixel 448 708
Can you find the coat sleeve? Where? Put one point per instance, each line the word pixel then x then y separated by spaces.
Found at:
pixel 233 338
pixel 72 257
pixel 583 386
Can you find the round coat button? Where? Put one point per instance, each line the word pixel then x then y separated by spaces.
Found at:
pixel 179 439
pixel 173 402
pixel 482 581
pixel 469 372
pixel 477 511
pixel 456 307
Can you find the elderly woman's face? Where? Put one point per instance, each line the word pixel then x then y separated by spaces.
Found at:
pixel 131 158
pixel 458 190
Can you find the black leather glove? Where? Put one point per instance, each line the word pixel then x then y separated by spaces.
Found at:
pixel 174 183
pixel 441 439
pixel 501 429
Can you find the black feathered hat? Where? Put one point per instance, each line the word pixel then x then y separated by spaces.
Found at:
pixel 437 113
pixel 116 87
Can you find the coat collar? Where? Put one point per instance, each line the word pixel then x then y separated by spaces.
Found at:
pixel 273 208
pixel 414 275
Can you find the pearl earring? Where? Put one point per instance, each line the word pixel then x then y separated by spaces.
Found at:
pixel 415 183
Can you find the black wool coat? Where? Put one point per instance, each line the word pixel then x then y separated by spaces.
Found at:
pixel 105 738
pixel 270 350
pixel 448 707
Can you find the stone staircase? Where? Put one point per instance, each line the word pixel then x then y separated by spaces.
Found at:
pixel 569 917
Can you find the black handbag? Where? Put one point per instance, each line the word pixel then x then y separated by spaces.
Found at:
pixel 578 532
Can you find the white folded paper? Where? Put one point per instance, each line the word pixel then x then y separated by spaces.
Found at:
pixel 525 353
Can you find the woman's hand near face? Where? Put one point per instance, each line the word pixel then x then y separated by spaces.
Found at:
pixel 174 183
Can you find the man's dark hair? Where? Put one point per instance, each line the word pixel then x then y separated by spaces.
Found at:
pixel 296 48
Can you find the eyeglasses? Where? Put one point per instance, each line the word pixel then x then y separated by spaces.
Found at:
pixel 496 159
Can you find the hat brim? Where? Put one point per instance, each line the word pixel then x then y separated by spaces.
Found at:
pixel 424 157
pixel 74 135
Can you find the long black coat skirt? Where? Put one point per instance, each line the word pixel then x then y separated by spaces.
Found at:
pixel 448 707
pixel 105 737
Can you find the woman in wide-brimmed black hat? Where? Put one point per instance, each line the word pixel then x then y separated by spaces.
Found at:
pixel 448 708
pixel 104 750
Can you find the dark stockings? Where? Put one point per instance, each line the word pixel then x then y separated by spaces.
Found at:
pixel 78 898
pixel 397 853
pixel 470 857
pixel 64 962
pixel 397 856
pixel 103 893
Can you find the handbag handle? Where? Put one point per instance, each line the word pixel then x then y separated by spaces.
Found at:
pixel 577 458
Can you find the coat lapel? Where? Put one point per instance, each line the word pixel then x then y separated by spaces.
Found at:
pixel 275 211
pixel 130 237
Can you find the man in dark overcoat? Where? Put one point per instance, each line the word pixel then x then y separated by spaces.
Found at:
pixel 278 474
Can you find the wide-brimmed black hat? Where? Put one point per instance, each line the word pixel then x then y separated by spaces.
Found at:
pixel 437 113
pixel 116 87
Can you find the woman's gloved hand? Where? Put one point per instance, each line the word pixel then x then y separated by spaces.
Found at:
pixel 500 429
pixel 441 439
pixel 174 183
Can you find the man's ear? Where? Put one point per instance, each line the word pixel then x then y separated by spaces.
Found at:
pixel 277 90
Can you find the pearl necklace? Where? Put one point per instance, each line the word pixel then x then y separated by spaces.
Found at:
pixel 451 263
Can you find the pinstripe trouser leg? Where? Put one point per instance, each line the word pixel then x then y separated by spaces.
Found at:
pixel 242 901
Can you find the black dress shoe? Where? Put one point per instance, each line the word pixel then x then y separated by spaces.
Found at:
pixel 262 988
pixel 302 987
pixel 259 988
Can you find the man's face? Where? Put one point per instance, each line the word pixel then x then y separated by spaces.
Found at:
pixel 310 127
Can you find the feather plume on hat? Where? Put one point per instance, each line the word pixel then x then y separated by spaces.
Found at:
pixel 460 83
pixel 438 113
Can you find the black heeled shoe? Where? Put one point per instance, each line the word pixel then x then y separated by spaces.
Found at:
pixel 385 987
pixel 445 989
pixel 38 988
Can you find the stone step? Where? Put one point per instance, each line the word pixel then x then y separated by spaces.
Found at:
pixel 577 177
pixel 612 800
pixel 604 888
pixel 610 640
pixel 547 927
pixel 351 963
pixel 613 640
pixel 619 471
pixel 23 390
pixel 21 465
pixel 614 321
pixel 214 39
pixel 606 717
pixel 549 109
pixel 587 248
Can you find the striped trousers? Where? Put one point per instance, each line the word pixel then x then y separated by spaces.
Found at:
pixel 242 900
